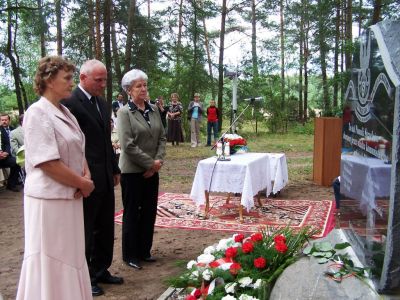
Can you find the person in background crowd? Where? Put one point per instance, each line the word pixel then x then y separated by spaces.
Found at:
pixel 117 104
pixel 195 113
pixel 5 123
pixel 142 138
pixel 212 122
pixel 174 116
pixel 93 115
pixel 7 160
pixel 162 109
pixel 54 265
pixel 17 137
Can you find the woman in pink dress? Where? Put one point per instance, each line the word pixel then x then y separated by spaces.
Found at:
pixel 57 177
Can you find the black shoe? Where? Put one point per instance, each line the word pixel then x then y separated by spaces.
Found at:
pixel 110 279
pixel 97 291
pixel 149 259
pixel 134 263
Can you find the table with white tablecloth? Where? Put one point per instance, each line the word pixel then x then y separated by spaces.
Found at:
pixel 278 171
pixel 364 179
pixel 246 173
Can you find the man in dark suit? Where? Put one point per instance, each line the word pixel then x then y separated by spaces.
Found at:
pixel 93 115
pixel 6 159
pixel 117 104
pixel 5 123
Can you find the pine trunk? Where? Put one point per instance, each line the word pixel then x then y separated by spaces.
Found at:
pixel 116 58
pixel 376 16
pixel 129 35
pixel 59 26
pixel 98 54
pixel 107 48
pixel 14 66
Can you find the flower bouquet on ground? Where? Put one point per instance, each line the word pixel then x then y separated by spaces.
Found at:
pixel 237 144
pixel 242 267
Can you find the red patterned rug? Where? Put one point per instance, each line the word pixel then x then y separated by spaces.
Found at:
pixel 179 211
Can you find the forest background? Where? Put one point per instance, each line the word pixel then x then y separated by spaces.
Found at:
pixel 296 54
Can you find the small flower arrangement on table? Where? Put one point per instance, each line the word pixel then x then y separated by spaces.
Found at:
pixel 237 144
pixel 242 267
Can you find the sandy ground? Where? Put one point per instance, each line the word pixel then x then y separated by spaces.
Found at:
pixel 170 245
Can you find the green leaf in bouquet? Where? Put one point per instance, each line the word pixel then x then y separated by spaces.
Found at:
pixel 307 250
pixel 322 260
pixel 324 246
pixel 318 254
pixel 328 254
pixel 341 246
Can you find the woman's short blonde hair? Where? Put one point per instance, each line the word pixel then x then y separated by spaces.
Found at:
pixel 48 68
pixel 131 76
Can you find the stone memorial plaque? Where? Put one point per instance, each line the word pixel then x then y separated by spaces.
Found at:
pixel 370 149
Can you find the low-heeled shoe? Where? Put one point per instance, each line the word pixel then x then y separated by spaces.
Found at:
pixel 134 264
pixel 110 279
pixel 97 291
pixel 149 259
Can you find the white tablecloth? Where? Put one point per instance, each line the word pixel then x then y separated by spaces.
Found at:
pixel 279 171
pixel 364 179
pixel 246 173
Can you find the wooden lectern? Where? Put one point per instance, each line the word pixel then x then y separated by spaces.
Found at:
pixel 327 149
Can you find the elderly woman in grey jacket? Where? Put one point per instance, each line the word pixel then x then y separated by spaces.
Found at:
pixel 142 140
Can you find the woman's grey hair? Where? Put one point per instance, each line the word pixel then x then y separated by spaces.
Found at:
pixel 132 76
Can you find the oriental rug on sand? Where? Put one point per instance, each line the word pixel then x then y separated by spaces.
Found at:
pixel 179 211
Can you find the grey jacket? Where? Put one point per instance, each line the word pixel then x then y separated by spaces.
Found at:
pixel 141 144
pixel 16 139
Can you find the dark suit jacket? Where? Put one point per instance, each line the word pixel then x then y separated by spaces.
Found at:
pixel 5 140
pixel 99 152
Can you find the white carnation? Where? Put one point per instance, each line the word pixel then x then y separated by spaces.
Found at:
pixel 194 275
pixel 247 297
pixel 230 287
pixel 209 250
pixel 207 274
pixel 190 264
pixel 225 244
pixel 228 297
pixel 257 284
pixel 205 258
pixel 245 281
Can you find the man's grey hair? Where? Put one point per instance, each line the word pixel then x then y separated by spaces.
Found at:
pixel 89 65
pixel 132 76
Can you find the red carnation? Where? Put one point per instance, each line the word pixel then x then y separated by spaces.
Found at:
pixel 231 252
pixel 234 268
pixel 281 247
pixel 280 239
pixel 256 237
pixel 260 263
pixel 197 293
pixel 239 238
pixel 190 297
pixel 247 247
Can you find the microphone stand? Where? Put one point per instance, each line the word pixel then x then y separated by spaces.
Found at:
pixel 221 138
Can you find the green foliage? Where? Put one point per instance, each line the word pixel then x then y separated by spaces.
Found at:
pixel 343 267
pixel 306 128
